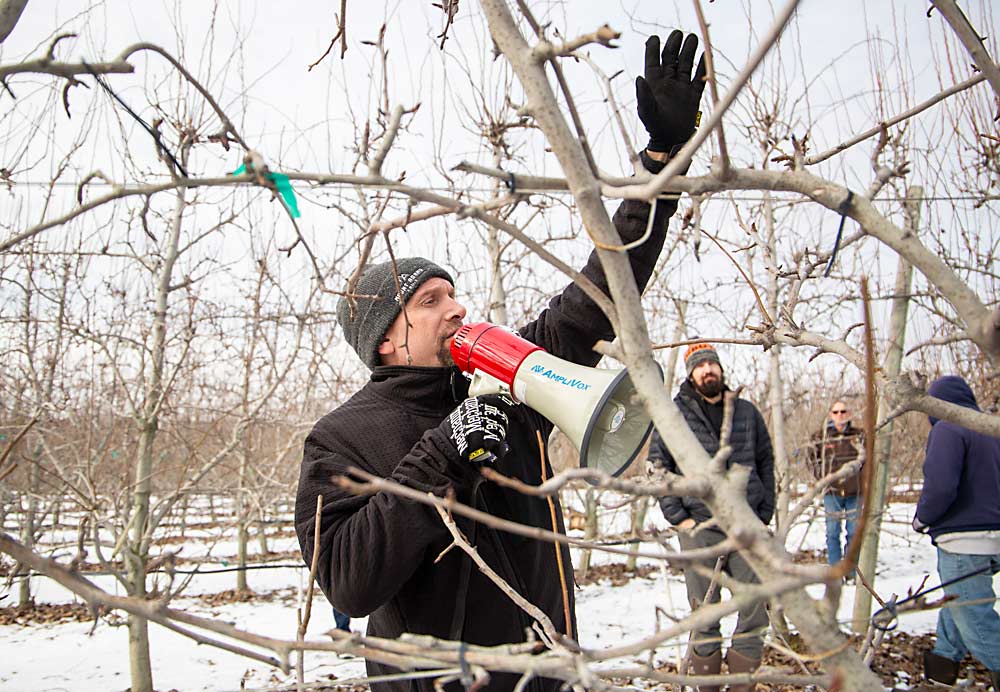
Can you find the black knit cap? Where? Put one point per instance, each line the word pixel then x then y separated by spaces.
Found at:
pixel 365 327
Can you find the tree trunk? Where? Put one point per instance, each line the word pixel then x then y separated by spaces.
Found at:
pixel 262 535
pixel 246 449
pixel 776 384
pixel 242 522
pixel 137 552
pixel 185 503
pixel 641 505
pixel 498 294
pixel 670 372
pixel 241 555
pixel 137 557
pixel 589 530
pixel 868 558
pixel 783 476
pixel 639 508
pixel 28 529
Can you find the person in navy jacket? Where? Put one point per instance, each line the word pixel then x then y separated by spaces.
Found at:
pixel 960 508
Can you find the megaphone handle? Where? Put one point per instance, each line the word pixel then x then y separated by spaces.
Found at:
pixel 484 383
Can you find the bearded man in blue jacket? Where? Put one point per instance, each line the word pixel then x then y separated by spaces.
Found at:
pixel 960 508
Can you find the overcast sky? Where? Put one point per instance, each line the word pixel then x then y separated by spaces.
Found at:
pixel 254 57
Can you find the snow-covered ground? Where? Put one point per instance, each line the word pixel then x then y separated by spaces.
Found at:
pixel 80 656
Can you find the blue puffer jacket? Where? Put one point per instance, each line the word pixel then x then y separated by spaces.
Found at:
pixel 961 470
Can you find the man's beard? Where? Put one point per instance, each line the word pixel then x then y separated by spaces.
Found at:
pixel 710 388
pixel 444 354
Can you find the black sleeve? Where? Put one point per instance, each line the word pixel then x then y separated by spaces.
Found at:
pixel 371 545
pixel 671 505
pixel 764 460
pixel 573 323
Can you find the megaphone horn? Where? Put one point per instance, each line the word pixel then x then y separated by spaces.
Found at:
pixel 598 409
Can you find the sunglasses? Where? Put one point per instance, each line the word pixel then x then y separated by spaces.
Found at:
pixel 839 410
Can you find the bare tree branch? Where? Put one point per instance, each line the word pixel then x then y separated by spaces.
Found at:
pixel 10 12
pixel 971 39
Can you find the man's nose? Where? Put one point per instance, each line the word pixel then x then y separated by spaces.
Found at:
pixel 457 310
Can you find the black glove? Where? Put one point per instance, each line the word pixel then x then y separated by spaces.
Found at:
pixel 478 427
pixel 668 97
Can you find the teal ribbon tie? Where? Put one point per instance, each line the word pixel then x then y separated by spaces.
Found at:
pixel 284 188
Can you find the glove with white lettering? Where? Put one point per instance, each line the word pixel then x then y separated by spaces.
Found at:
pixel 478 427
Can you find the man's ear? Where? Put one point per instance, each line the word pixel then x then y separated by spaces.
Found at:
pixel 386 347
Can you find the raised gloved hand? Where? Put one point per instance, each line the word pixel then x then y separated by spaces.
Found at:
pixel 668 96
pixel 478 427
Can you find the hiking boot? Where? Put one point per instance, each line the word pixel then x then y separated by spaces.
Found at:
pixel 738 663
pixel 706 665
pixel 939 669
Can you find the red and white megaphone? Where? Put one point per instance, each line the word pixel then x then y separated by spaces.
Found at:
pixel 599 410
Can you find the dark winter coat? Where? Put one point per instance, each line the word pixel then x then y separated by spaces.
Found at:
pixel 379 554
pixel 832 449
pixel 961 470
pixel 751 445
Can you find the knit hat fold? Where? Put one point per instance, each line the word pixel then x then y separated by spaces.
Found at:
pixel 378 302
pixel 699 353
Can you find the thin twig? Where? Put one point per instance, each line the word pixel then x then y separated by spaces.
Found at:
pixel 905 115
pixel 713 586
pixel 683 157
pixel 713 89
pixel 374 484
pixel 971 39
pixel 616 111
pixel 524 604
pixel 304 620
pixel 341 34
pixel 545 51
pixel 4 472
pixel 746 277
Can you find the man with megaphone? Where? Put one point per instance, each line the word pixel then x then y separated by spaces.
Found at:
pixel 387 557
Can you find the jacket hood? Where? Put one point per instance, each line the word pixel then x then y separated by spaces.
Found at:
pixel 954 390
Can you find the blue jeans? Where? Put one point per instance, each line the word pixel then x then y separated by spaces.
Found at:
pixel 839 509
pixel 343 621
pixel 974 628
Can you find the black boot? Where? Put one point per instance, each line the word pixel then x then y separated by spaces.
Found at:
pixel 939 669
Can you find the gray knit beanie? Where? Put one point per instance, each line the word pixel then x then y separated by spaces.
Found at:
pixel 699 353
pixel 365 327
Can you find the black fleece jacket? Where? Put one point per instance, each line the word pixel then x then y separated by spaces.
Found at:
pixel 379 553
pixel 751 445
